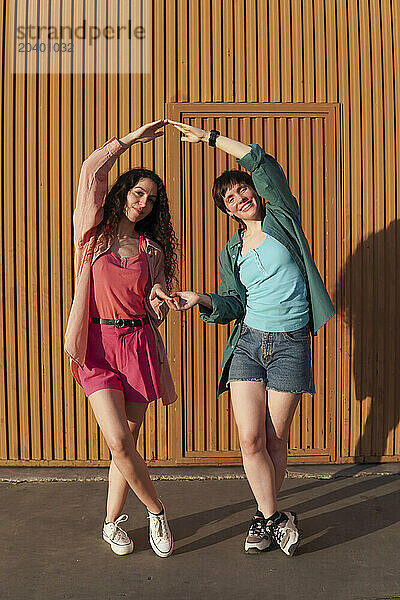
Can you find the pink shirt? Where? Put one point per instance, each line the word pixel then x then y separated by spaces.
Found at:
pixel 88 215
pixel 118 285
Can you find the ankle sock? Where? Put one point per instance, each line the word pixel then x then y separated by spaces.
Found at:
pixel 274 517
pixel 156 514
pixel 159 513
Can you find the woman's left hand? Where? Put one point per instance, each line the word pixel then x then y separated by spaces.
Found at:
pixel 157 297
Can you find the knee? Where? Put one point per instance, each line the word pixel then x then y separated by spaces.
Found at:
pixel 120 445
pixel 251 444
pixel 276 444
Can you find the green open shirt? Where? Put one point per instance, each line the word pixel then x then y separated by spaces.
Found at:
pixel 281 221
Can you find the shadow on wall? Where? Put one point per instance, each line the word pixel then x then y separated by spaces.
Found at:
pixel 369 286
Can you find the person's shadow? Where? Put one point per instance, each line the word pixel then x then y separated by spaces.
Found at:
pixel 331 527
pixel 368 299
pixel 188 525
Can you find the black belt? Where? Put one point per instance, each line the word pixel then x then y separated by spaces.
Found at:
pixel 121 322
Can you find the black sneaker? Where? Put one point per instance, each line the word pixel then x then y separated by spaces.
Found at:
pixel 258 538
pixel 284 532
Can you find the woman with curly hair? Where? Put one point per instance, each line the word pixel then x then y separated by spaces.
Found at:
pixel 125 261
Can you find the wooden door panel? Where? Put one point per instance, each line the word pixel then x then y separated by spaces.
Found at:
pixel 303 139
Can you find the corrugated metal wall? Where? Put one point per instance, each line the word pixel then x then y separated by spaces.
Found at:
pixel 276 51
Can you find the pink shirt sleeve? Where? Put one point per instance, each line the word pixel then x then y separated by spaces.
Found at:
pixel 92 189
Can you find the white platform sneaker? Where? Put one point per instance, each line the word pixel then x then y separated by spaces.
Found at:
pixel 284 532
pixel 160 535
pixel 118 539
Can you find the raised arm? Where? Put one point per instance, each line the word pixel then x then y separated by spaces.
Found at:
pixel 268 176
pixel 92 185
pixel 194 134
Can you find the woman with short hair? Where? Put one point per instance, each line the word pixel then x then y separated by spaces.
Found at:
pixel 271 287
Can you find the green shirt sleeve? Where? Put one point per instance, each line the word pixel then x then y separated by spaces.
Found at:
pixel 270 180
pixel 226 305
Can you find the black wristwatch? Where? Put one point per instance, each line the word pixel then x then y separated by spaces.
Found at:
pixel 213 137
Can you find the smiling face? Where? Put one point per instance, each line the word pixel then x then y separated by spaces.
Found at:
pixel 140 200
pixel 241 201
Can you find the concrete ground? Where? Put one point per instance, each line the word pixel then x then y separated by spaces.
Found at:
pixel 52 546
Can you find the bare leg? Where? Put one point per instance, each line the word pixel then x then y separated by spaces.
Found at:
pixel 117 485
pixel 281 407
pixel 109 409
pixel 249 405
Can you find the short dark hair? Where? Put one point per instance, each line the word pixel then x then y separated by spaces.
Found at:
pixel 226 180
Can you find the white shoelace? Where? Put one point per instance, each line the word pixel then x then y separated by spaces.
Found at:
pixel 119 535
pixel 161 527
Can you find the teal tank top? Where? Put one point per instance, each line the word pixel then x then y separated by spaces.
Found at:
pixel 276 291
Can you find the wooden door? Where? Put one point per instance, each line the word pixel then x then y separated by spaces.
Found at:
pixel 303 138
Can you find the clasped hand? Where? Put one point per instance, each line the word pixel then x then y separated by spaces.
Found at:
pixel 175 301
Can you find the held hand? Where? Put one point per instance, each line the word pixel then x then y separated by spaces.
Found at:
pixel 185 300
pixel 145 133
pixel 158 297
pixel 191 134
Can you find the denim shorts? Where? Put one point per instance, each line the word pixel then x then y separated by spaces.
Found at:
pixel 282 360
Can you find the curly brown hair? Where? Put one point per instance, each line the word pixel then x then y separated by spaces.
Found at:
pixel 157 225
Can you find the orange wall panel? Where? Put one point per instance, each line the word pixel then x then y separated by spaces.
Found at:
pixel 317 52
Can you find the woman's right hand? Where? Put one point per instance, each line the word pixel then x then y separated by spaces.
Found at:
pixel 185 300
pixel 191 134
pixel 194 134
pixel 145 133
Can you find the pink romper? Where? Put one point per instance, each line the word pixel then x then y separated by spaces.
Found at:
pixel 120 358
